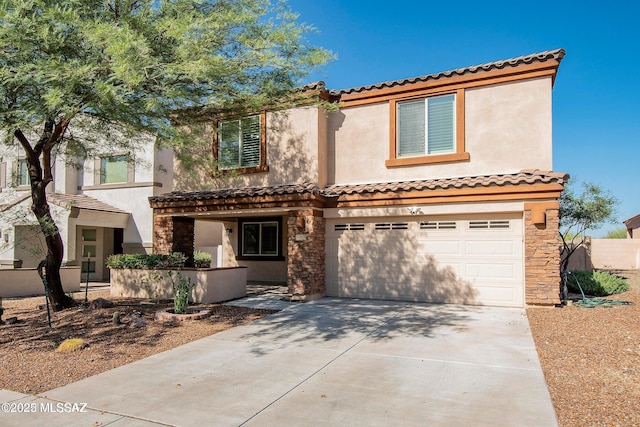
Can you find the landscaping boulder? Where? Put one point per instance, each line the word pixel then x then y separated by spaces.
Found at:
pixel 136 320
pixel 100 303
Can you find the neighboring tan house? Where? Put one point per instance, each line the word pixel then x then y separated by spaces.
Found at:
pixel 100 207
pixel 633 227
pixel 437 188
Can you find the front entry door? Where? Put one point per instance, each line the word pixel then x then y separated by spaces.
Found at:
pixel 91 251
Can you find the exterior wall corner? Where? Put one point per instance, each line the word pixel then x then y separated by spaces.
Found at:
pixel 306 254
pixel 542 257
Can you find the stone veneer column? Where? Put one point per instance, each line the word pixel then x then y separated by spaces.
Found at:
pixel 542 253
pixel 174 234
pixel 305 254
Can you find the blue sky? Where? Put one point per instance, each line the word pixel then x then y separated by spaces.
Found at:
pixel 596 113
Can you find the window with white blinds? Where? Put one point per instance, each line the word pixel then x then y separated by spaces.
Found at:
pixel 426 126
pixel 239 143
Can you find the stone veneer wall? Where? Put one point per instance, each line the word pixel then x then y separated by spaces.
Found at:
pixel 306 254
pixel 542 259
pixel 174 234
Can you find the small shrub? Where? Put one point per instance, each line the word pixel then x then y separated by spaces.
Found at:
pixel 149 261
pixel 611 283
pixel 181 291
pixel 202 259
pixel 72 344
pixel 175 260
pixel 596 283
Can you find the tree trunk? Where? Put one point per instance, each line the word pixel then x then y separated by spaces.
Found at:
pixel 40 175
pixel 55 252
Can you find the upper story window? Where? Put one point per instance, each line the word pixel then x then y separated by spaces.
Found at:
pixel 23 173
pixel 114 169
pixel 426 126
pixel 427 130
pixel 240 144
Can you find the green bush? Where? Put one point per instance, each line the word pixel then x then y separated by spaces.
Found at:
pixel 596 283
pixel 140 261
pixel 620 233
pixel 202 259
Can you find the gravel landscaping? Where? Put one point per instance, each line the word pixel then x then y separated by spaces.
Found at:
pixel 591 359
pixel 29 362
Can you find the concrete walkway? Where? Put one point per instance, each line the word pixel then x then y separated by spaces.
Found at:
pixel 333 362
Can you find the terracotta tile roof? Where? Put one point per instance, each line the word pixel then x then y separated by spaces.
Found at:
pixel 230 193
pixel 317 85
pixel 81 201
pixel 337 190
pixel 556 54
pixel 523 177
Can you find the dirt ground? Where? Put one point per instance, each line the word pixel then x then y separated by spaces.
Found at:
pixel 591 359
pixel 29 362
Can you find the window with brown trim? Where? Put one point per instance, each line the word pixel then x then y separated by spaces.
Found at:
pixel 260 239
pixel 427 129
pixel 240 144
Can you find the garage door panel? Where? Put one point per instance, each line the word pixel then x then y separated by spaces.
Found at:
pixel 495 295
pixel 440 247
pixel 490 271
pixel 489 247
pixel 461 265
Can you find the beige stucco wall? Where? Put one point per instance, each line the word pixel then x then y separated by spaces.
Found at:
pixel 615 253
pixel 30 245
pixel 507 129
pixel 26 282
pixel 295 141
pixel 163 170
pixel 24 241
pixel 209 285
pixel 208 233
pixel 135 200
pixel 607 254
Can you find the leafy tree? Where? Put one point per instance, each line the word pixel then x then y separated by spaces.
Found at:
pixel 620 233
pixel 81 75
pixel 588 209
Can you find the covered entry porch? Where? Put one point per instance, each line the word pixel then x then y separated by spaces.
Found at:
pixel 277 232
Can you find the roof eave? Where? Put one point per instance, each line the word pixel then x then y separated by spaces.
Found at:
pixel 530 66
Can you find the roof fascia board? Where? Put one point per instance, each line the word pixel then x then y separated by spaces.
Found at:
pixel 442 84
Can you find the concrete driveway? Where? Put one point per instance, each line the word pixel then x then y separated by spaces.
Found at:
pixel 333 362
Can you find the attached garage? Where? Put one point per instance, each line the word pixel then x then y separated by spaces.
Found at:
pixel 484 240
pixel 456 259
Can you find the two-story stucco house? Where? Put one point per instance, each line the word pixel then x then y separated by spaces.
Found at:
pixel 100 206
pixel 437 188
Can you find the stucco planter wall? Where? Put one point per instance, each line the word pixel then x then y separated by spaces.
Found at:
pixel 210 285
pixel 22 282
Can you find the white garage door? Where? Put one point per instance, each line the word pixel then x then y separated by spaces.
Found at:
pixel 469 260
